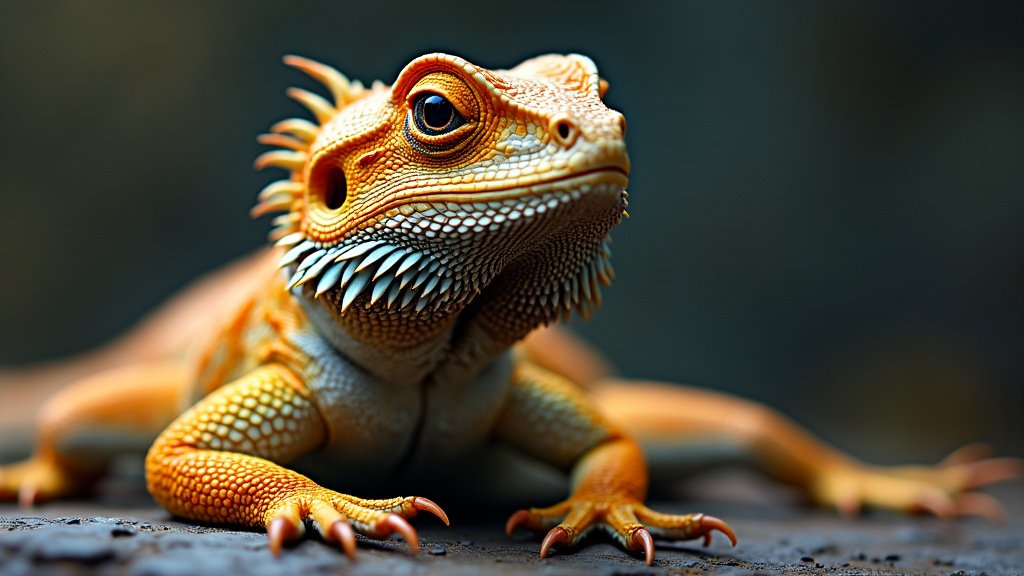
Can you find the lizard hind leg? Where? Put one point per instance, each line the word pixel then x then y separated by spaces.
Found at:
pixel 671 421
pixel 86 425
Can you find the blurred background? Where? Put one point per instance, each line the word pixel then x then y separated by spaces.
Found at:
pixel 827 198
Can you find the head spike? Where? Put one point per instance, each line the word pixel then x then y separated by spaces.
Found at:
pixel 281 188
pixel 282 140
pixel 321 109
pixel 299 127
pixel 335 81
pixel 286 159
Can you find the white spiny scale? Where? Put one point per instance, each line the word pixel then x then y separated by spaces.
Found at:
pixel 312 259
pixel 393 294
pixel 420 278
pixel 555 294
pixel 343 252
pixel 290 239
pixel 445 285
pixel 296 251
pixel 421 304
pixel 317 268
pixel 407 297
pixel 349 272
pixel 389 262
pixel 430 285
pixel 379 288
pixel 408 263
pixel 374 256
pixel 406 278
pixel 584 281
pixel 358 250
pixel 295 279
pixel 575 283
pixel 329 279
pixel 355 288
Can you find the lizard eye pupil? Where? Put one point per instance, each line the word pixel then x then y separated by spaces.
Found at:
pixel 435 115
pixel 437 112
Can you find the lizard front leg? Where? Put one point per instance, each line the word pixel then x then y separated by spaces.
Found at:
pixel 550 418
pixel 217 463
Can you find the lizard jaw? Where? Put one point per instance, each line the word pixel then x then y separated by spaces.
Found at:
pixel 437 255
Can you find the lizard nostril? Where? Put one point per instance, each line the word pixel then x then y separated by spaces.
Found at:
pixel 564 130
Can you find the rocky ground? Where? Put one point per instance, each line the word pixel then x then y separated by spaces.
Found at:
pixel 136 538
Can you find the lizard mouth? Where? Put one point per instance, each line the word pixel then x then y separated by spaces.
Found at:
pixel 576 183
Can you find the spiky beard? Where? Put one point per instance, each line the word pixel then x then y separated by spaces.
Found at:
pixel 437 257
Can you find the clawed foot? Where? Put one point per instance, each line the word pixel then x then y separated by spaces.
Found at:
pixel 338 517
pixel 945 490
pixel 628 521
pixel 37 479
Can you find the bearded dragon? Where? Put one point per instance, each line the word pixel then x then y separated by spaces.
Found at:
pixel 428 228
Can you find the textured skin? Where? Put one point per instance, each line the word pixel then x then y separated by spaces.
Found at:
pixel 426 229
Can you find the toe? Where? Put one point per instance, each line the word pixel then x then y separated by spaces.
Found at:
pixel 556 535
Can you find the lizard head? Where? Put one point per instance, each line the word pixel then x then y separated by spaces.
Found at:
pixel 455 181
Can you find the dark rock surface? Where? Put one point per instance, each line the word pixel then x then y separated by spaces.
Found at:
pixel 89 538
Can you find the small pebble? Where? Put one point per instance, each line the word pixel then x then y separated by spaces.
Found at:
pixel 437 551
pixel 122 531
pixel 465 542
pixel 892 558
pixel 807 559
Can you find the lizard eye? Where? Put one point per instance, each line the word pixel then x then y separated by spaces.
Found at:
pixel 434 115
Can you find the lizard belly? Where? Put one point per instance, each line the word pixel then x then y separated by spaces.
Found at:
pixel 370 423
pixel 460 416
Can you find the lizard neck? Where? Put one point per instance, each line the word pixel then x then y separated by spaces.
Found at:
pixel 399 349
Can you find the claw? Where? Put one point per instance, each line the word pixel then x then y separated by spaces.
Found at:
pixel 516 520
pixel 342 533
pixel 711 523
pixel 994 470
pixel 280 530
pixel 398 524
pixel 642 539
pixel 557 535
pixel 425 504
pixel 967 454
pixel 978 504
pixel 28 493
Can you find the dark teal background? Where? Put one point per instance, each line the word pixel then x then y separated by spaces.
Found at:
pixel 827 197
